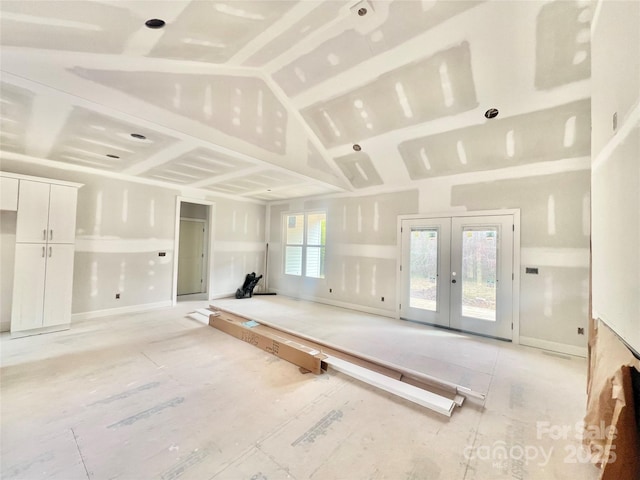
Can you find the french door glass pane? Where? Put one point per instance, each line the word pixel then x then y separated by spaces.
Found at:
pixel 423 283
pixel 478 275
pixel 293 261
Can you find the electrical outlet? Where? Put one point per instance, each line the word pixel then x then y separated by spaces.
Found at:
pixel 117 296
pixel 580 331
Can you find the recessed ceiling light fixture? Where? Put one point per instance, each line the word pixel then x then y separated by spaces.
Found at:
pixel 357 147
pixel 138 136
pixel 491 113
pixel 112 156
pixel 155 23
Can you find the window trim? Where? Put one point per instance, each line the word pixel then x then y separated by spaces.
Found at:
pixel 305 245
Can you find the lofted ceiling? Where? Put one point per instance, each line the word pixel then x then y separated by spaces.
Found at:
pixel 265 99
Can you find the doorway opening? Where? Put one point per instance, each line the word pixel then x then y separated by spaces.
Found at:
pixel 193 247
pixel 459 272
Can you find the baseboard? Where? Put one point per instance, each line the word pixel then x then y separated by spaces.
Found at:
pixel 335 303
pixel 77 317
pixel 554 346
pixel 217 296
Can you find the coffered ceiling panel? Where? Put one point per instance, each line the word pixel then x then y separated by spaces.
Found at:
pixel 91 139
pixel 15 105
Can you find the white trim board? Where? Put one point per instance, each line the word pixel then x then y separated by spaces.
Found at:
pixel 77 317
pixel 554 346
pixel 417 395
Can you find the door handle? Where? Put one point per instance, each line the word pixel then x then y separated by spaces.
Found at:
pixel 44 234
pixel 50 251
pixel 453 281
pixel 42 252
pixel 51 234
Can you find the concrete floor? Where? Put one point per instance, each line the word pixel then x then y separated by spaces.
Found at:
pixel 159 395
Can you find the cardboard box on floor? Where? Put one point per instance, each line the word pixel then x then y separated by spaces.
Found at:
pixel 263 337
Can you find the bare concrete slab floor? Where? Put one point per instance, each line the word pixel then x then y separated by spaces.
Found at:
pixel 157 395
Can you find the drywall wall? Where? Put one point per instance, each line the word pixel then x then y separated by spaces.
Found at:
pixel 362 236
pixel 554 214
pixel 239 244
pixel 360 253
pixel 123 227
pixel 7 257
pixel 616 168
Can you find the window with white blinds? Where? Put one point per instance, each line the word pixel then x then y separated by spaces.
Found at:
pixel 305 235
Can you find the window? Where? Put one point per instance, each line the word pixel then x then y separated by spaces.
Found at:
pixel 305 235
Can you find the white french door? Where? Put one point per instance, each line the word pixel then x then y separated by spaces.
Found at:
pixel 457 272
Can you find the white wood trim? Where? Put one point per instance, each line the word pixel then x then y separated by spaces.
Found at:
pixel 336 303
pixel 77 317
pixel 176 242
pixel 468 213
pixel 427 399
pixel 554 346
pixel 41 330
pixel 515 334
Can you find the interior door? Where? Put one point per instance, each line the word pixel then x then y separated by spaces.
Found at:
pixel 457 272
pixel 191 257
pixel 425 270
pixel 482 275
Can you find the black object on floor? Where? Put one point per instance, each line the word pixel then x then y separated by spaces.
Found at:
pixel 250 282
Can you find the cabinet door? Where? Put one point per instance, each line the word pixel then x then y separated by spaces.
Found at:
pixel 28 286
pixel 8 194
pixel 62 214
pixel 58 285
pixel 33 212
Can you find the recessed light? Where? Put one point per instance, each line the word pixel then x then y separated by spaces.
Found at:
pixel 112 156
pixel 154 23
pixel 357 147
pixel 362 11
pixel 491 113
pixel 138 136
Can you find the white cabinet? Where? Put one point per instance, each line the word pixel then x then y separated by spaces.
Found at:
pixel 45 236
pixel 46 213
pixel 9 194
pixel 28 287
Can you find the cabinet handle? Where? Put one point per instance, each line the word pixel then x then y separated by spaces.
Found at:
pixel 50 234
pixel 42 252
pixel 44 234
pixel 50 251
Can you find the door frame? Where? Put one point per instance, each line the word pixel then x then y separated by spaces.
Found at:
pixel 205 257
pixel 209 244
pixel 474 213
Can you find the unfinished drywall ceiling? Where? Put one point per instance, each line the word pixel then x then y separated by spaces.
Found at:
pixel 283 89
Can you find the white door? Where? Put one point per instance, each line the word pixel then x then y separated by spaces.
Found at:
pixel 58 285
pixel 482 275
pixel 28 286
pixel 425 270
pixel 191 257
pixel 33 212
pixel 457 272
pixel 62 214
